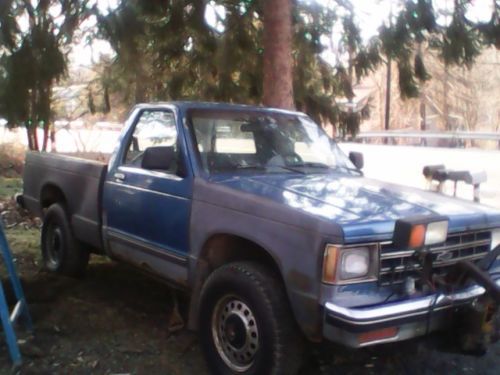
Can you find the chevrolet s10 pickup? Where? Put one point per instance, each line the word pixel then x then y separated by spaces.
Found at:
pixel 274 232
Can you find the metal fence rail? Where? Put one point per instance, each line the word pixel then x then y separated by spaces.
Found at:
pixel 458 135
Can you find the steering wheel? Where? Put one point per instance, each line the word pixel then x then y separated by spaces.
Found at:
pixel 284 160
pixel 292 159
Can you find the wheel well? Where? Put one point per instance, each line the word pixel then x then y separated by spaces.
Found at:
pixel 51 194
pixel 221 249
pixel 225 248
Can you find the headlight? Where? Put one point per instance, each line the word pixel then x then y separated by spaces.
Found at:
pixel 495 238
pixel 436 232
pixel 349 264
pixel 355 263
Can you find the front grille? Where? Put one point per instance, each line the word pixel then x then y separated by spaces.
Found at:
pixel 396 266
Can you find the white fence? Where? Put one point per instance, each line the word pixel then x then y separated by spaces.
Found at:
pixel 404 164
pixel 456 135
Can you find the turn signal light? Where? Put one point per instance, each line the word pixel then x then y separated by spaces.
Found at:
pixel 414 233
pixel 330 263
pixel 417 236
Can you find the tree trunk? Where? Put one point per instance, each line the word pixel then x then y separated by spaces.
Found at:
pixel 53 147
pixel 278 61
pixel 32 121
pixel 32 137
pixel 107 102
pixel 446 108
pixel 29 137
pixel 388 97
pixel 423 116
pixel 46 127
pixel 44 104
pixel 36 145
pixel 140 87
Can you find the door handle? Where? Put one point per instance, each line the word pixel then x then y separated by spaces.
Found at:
pixel 119 177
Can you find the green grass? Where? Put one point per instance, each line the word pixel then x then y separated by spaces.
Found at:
pixel 23 240
pixel 24 245
pixel 10 186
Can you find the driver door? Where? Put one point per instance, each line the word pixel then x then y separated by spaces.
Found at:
pixel 147 211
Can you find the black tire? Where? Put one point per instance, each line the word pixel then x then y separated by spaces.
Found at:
pixel 61 251
pixel 246 325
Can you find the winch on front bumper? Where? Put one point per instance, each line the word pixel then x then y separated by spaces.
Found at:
pixel 472 300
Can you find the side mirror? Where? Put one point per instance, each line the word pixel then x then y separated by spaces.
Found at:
pixel 159 158
pixel 357 159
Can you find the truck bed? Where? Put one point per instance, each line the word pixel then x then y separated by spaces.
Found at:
pixel 79 181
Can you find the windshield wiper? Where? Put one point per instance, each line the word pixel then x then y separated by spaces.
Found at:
pixel 291 169
pixel 311 165
pixel 324 166
pixel 259 167
pixel 250 166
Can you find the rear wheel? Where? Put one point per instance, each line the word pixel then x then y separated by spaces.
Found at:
pixel 246 325
pixel 61 251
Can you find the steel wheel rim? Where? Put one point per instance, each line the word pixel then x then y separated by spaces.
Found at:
pixel 235 333
pixel 54 245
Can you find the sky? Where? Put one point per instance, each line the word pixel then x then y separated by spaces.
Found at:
pixel 370 15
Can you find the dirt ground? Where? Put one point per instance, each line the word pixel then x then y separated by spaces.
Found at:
pixel 116 320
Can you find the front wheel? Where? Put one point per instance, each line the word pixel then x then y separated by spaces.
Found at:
pixel 246 325
pixel 61 251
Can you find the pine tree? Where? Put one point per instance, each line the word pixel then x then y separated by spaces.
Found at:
pixel 33 59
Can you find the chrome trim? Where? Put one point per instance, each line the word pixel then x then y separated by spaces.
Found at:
pixel 386 270
pixel 461 246
pixel 395 262
pixel 397 254
pixel 399 310
pixel 123 185
pixel 409 253
pixel 472 231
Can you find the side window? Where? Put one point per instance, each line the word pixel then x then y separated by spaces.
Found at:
pixel 154 129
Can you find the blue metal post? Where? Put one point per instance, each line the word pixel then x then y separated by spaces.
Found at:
pixel 14 279
pixel 10 335
pixel 21 309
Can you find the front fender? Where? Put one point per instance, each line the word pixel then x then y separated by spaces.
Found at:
pixel 296 249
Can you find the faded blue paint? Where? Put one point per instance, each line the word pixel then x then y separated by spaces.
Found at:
pixel 365 208
pixel 151 206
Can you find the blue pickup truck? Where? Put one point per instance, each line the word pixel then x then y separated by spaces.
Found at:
pixel 273 231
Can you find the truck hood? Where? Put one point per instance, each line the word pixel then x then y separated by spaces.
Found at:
pixel 363 207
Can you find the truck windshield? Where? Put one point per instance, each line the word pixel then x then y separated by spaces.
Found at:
pixel 264 142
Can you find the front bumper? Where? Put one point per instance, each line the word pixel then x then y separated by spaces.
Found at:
pixel 396 321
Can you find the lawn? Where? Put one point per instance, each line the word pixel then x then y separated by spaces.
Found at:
pixel 10 186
